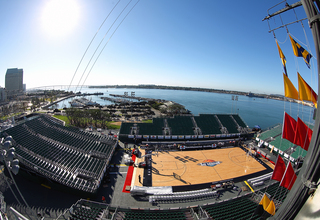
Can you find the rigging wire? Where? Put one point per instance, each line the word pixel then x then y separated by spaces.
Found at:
pixel 309 50
pixel 304 31
pixel 283 42
pixel 300 42
pixel 100 44
pixel 300 148
pixel 108 42
pixel 284 110
pixel 307 45
pixel 11 189
pixel 91 43
pixel 9 171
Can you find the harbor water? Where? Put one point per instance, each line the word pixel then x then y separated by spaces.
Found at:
pixel 254 111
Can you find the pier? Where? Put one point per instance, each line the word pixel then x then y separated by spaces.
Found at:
pixel 71 96
pixel 137 98
pixel 59 100
pixel 118 100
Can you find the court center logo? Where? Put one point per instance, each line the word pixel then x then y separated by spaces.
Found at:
pixel 209 163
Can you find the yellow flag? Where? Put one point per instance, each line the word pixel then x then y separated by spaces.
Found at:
pixel 283 58
pixel 289 90
pixel 271 208
pixel 264 209
pixel 306 93
pixel 265 202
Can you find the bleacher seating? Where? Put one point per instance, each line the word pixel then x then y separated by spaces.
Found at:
pixel 154 128
pixel 186 127
pixel 126 128
pixel 276 131
pixel 208 124
pixel 237 208
pixel 299 152
pixel 227 122
pixel 274 138
pixel 175 215
pixel 181 197
pixel 241 207
pixel 181 125
pixel 282 144
pixel 239 121
pixel 66 155
pixel 87 210
pixel 276 192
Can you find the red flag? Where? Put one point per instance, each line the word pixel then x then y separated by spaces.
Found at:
pixel 303 135
pixel 289 128
pixel 279 169
pixel 289 177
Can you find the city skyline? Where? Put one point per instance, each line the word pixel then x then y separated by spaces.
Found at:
pixel 203 44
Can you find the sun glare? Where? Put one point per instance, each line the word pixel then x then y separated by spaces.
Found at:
pixel 60 17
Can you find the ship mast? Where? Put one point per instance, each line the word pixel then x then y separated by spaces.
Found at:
pixel 310 171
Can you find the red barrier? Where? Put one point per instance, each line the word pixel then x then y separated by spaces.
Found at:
pixel 129 176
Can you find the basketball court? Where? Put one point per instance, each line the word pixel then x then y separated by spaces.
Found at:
pixel 178 168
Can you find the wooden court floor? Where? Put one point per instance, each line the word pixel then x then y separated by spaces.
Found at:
pixel 196 167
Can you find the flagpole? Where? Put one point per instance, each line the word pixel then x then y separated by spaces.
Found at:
pixel 273 177
pixel 284 115
pixel 284 174
pixel 283 121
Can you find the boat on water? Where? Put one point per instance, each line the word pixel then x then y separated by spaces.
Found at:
pixel 250 94
pixel 76 103
pixel 83 102
pixel 87 102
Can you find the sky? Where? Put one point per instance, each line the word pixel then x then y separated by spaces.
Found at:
pixel 193 43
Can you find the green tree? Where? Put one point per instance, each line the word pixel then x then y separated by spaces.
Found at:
pixel 95 114
pixel 105 117
pixel 176 109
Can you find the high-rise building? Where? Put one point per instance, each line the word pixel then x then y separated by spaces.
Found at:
pixel 14 82
pixel 3 95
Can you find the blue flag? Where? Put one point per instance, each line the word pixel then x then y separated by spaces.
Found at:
pixel 299 51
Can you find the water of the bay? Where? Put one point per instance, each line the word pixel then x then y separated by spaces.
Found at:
pixel 254 111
